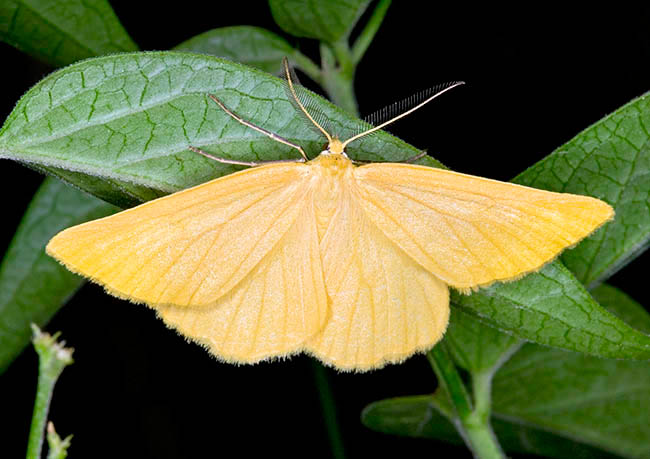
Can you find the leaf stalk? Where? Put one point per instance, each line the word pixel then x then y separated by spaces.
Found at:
pixel 366 36
pixel 338 75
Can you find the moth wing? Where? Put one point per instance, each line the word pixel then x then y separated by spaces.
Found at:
pixel 191 247
pixel 383 305
pixel 471 231
pixel 272 311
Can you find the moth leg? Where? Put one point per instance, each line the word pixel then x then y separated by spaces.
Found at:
pixel 243 163
pixel 412 159
pixel 407 160
pixel 269 134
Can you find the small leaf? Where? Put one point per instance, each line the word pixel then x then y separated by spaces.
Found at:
pixel 64 31
pixel 57 448
pixel 417 416
pixel 609 160
pixel 414 416
pixel 119 126
pixel 32 285
pixel 475 346
pixel 551 307
pixel 605 403
pixel 326 21
pixel 248 45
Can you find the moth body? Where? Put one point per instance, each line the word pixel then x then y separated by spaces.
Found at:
pixel 330 172
pixel 351 264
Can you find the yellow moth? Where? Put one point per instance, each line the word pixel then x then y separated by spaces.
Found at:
pixel 349 263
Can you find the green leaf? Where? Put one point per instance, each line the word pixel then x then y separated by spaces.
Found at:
pixel 413 416
pixel 475 346
pixel 418 416
pixel 248 45
pixel 621 305
pixel 609 160
pixel 551 307
pixel 32 285
pixel 64 31
pixel 605 403
pixel 119 126
pixel 326 21
pixel 57 447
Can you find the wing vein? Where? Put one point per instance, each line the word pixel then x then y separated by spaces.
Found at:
pixel 248 253
pixel 399 225
pixel 500 206
pixel 145 228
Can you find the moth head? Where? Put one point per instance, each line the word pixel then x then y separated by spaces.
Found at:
pixel 336 147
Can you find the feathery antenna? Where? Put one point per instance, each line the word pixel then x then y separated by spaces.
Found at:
pixel 295 94
pixel 414 102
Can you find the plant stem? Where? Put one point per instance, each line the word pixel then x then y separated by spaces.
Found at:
pixel 329 410
pixel 472 422
pixel 477 425
pixel 338 75
pixel 52 359
pixel 450 380
pixel 344 57
pixel 482 388
pixel 368 33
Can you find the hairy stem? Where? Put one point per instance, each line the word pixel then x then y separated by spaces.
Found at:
pixel 52 359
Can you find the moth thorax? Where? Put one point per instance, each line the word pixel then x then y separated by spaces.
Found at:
pixel 328 193
pixel 333 158
pixel 332 164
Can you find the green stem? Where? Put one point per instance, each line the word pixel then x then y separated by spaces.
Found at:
pixel 327 59
pixel 52 359
pixel 482 388
pixel 477 426
pixel 450 380
pixel 368 33
pixel 344 58
pixel 472 422
pixel 338 75
pixel 329 410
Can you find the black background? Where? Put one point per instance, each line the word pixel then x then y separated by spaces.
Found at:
pixel 535 78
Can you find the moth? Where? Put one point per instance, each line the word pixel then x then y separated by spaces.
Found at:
pixel 349 262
